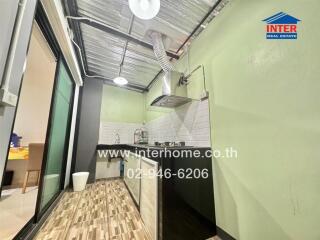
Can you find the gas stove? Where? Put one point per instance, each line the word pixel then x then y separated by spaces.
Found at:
pixel 170 144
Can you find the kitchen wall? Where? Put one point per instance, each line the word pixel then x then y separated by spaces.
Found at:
pixel 122 111
pixel 264 102
pixel 121 105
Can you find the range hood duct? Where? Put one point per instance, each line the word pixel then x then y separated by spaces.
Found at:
pixel 174 89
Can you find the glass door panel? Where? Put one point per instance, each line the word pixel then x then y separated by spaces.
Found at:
pixel 57 139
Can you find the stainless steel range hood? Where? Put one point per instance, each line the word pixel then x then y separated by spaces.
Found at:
pixel 174 92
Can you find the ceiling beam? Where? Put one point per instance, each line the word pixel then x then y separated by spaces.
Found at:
pixel 154 79
pixel 105 28
pixel 199 25
pixel 126 45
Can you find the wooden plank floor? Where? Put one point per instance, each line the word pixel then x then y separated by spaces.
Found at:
pixel 104 210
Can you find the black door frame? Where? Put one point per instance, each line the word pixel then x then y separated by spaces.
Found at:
pixel 15 112
pixel 40 212
pixel 47 31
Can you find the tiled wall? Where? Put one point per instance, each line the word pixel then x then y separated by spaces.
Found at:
pixel 109 130
pixel 189 123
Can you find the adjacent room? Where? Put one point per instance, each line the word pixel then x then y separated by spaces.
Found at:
pixel 22 174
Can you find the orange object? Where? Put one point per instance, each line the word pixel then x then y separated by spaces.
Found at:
pixel 18 153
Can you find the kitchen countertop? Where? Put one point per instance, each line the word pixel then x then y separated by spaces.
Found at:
pixel 146 146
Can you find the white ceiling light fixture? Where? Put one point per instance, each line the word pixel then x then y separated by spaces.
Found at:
pixel 120 81
pixel 145 9
pixel 209 3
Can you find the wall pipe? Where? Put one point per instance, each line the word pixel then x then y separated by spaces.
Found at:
pixel 107 80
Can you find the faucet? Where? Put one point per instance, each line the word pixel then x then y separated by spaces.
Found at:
pixel 117 141
pixel 137 136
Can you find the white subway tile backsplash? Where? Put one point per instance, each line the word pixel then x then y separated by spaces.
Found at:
pixel 189 123
pixel 109 130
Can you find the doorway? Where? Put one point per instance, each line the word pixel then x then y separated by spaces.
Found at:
pixel 22 173
pixel 36 163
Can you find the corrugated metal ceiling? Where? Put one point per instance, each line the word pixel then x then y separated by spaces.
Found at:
pixel 104 51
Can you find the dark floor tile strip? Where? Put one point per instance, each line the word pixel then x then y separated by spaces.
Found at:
pixel 74 212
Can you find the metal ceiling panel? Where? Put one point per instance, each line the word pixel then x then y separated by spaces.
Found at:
pixel 177 18
pixel 105 51
pixel 140 64
pixel 115 13
pixel 102 50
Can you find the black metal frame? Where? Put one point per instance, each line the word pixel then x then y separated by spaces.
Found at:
pixel 125 36
pixel 47 31
pixel 25 229
pixel 40 212
pixel 43 22
pixel 28 226
pixel 223 234
pixel 30 233
pixel 15 112
pixel 199 25
pixel 45 27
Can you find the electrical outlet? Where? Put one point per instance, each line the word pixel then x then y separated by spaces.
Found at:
pixel 7 98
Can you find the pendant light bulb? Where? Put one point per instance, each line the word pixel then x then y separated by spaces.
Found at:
pixel 120 81
pixel 144 9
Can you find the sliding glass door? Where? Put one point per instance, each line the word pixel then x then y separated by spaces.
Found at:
pixel 55 156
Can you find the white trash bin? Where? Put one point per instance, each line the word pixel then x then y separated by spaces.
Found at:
pixel 79 181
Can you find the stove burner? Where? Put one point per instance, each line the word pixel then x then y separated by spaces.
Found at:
pixel 170 144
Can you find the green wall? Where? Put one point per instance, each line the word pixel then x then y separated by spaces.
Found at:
pixel 264 101
pixel 121 105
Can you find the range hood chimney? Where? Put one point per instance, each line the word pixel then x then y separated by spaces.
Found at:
pixel 174 92
pixel 174 88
